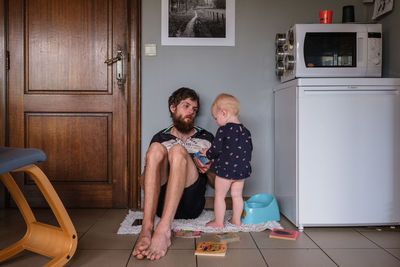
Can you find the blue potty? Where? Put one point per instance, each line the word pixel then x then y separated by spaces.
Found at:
pixel 260 208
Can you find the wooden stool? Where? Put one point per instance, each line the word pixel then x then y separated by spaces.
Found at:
pixel 58 243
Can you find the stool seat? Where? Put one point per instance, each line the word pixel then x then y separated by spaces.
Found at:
pixel 12 158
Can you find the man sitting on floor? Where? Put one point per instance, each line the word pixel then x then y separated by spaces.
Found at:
pixel 174 182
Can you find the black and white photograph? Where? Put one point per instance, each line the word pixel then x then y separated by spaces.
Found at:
pixel 381 7
pixel 198 22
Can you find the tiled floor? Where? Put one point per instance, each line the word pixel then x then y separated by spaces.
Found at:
pixel 99 245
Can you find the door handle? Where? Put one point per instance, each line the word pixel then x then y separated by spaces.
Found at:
pixel 119 67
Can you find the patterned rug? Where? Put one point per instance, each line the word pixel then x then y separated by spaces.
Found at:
pixel 198 224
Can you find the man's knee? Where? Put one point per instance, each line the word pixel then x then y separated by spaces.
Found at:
pixel 177 152
pixel 156 152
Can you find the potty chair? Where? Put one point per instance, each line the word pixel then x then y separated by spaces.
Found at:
pixel 260 208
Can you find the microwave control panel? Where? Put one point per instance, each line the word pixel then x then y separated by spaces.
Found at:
pixel 374 49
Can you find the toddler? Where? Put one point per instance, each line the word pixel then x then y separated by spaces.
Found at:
pixel 231 155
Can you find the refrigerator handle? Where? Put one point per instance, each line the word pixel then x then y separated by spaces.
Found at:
pixel 351 92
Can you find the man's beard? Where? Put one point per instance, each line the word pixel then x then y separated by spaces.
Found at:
pixel 181 125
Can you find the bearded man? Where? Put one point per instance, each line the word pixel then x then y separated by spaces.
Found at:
pixel 174 182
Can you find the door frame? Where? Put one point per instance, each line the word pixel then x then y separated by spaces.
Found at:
pixel 134 98
pixel 3 96
pixel 134 105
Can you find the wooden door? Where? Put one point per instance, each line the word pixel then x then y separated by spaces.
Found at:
pixel 65 100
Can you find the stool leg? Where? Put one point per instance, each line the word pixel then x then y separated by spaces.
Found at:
pixel 51 197
pixel 26 212
pixel 18 197
pixel 58 243
pixel 62 241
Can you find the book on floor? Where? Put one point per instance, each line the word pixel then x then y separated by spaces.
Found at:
pixel 284 234
pixel 187 233
pixel 228 237
pixel 211 249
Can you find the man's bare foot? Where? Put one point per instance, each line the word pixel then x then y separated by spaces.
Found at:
pixel 237 223
pixel 160 243
pixel 143 243
pixel 214 224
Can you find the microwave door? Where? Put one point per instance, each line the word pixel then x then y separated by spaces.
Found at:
pixel 330 54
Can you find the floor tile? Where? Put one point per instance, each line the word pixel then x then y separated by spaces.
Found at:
pixel 110 221
pixel 395 252
pixel 263 241
pixel 26 258
pixel 106 240
pixel 100 258
pixel 339 238
pixel 296 257
pixel 233 258
pixel 384 239
pixel 246 241
pixel 83 219
pixel 174 258
pixel 182 243
pixel 362 258
pixel 7 240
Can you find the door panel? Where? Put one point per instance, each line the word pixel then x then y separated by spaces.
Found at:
pixel 83 139
pixel 65 100
pixel 71 44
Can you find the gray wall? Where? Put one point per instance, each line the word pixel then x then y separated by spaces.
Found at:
pixel 245 70
pixel 391 41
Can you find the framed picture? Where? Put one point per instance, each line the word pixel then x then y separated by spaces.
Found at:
pixel 198 22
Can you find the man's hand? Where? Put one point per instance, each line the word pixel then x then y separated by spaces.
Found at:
pixel 203 168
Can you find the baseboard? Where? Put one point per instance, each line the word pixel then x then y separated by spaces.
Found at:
pixel 228 200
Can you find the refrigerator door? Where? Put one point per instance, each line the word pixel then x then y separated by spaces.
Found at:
pixel 349 154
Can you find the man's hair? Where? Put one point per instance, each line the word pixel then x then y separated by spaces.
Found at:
pixel 181 94
pixel 226 102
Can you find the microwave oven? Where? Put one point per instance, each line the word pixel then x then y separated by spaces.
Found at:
pixel 329 50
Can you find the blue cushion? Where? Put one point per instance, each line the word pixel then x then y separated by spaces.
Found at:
pixel 12 158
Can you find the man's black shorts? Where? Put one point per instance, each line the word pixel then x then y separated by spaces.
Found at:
pixel 192 202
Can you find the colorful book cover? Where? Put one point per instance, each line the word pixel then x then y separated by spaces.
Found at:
pixel 187 233
pixel 284 234
pixel 211 249
pixel 228 237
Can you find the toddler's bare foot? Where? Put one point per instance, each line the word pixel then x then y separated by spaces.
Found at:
pixel 215 224
pixel 237 223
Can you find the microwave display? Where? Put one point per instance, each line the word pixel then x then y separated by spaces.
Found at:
pixel 330 49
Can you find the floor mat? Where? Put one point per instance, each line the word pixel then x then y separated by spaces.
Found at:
pixel 198 224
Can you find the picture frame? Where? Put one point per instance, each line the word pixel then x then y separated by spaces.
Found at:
pixel 210 23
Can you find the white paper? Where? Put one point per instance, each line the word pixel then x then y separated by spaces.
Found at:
pixel 381 7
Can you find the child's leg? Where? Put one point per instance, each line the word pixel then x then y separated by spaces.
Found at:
pixel 221 188
pixel 237 201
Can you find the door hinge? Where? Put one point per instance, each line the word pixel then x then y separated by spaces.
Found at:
pixel 7 60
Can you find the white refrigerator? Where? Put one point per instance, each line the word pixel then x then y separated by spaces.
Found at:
pixel 337 151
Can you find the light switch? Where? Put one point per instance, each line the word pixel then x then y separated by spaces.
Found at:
pixel 150 50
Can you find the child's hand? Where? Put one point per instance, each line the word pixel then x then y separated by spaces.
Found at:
pixel 203 152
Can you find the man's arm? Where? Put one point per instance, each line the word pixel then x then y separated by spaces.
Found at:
pixel 204 168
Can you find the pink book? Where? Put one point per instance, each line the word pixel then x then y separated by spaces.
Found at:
pixel 284 234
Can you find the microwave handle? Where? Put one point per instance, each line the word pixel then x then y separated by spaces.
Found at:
pixel 362 49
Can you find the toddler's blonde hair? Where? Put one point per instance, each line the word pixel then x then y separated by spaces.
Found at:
pixel 226 102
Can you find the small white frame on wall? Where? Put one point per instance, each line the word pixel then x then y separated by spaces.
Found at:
pixel 187 24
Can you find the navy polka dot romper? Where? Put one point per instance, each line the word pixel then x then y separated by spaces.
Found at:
pixel 231 152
